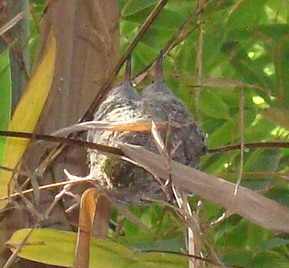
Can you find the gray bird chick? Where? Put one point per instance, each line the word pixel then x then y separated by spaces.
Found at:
pixel 125 182
pixel 161 105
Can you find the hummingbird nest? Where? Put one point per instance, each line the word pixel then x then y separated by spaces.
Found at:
pixel 124 181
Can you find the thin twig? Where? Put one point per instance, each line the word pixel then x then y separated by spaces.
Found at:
pixel 62 140
pixel 180 35
pixel 105 88
pixel 107 149
pixel 242 129
pixel 18 248
pixel 251 145
pixel 199 62
pixel 7 26
pixel 191 256
pixel 46 187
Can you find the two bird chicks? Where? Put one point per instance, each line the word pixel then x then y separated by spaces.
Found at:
pixel 126 183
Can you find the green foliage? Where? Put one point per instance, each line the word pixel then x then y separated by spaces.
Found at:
pixel 244 46
pixel 5 98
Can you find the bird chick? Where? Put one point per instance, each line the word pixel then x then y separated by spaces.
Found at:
pixel 187 142
pixel 125 182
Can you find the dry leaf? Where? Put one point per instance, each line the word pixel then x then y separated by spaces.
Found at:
pixel 137 125
pixel 247 203
pixel 91 200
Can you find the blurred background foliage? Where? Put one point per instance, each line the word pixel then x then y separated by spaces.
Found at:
pixel 228 61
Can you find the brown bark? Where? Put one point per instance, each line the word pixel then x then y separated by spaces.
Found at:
pixel 87 49
pixel 87 37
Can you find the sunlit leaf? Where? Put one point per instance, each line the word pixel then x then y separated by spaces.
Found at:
pixel 27 112
pixel 56 247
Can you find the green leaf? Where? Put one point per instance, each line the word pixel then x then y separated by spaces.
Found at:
pixel 132 7
pixel 261 164
pixel 246 13
pixel 268 260
pixel 5 100
pixel 211 104
pixel 56 247
pixel 263 160
pixel 274 243
pixel 282 68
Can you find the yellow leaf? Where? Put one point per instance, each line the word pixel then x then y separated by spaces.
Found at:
pixel 55 247
pixel 27 113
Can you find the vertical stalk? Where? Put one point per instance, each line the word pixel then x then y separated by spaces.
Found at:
pixel 194 240
pixel 18 49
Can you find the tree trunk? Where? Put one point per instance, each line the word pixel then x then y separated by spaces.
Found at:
pixel 87 35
